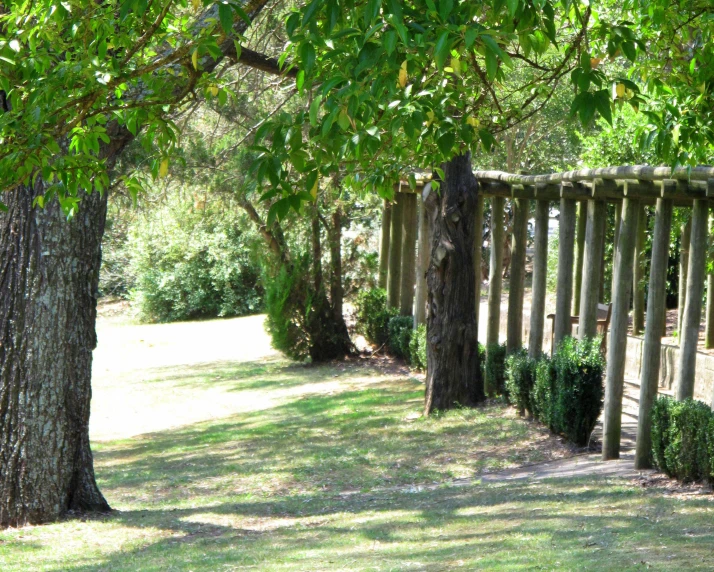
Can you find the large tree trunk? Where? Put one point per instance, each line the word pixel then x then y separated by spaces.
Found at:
pixel 48 284
pixel 453 376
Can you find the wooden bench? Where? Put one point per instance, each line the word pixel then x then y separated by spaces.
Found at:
pixel 604 311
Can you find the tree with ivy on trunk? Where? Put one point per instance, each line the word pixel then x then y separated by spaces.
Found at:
pixel 79 82
pixel 397 87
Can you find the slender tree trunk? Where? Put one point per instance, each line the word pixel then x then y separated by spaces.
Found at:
pixel 685 239
pixel 336 290
pixel 384 245
pixel 49 274
pixel 409 237
pixel 638 296
pixel 453 376
pixel 581 229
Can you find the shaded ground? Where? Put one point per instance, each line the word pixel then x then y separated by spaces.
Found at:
pixel 256 463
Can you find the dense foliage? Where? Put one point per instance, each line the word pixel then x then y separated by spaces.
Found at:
pixel 417 348
pixel 495 369
pixel 373 315
pixel 683 439
pixel 400 334
pixel 520 380
pixel 193 263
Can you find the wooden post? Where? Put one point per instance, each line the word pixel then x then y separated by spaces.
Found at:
pixel 514 330
pixel 616 240
pixel 649 373
pixel 564 293
pixel 424 257
pixel 582 226
pixel 409 237
pixel 685 240
pixel 638 297
pixel 616 349
pixel 693 305
pixel 540 272
pixel 384 245
pixel 709 331
pixel 495 282
pixel 592 267
pixel 394 282
pixel 478 245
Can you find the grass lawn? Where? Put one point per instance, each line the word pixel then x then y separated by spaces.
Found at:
pixel 332 468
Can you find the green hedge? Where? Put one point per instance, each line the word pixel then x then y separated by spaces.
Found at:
pixel 400 334
pixel 495 368
pixel 683 439
pixel 417 348
pixel 520 380
pixel 565 392
pixel 373 315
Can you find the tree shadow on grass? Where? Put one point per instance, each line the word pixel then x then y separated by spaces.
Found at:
pixel 560 524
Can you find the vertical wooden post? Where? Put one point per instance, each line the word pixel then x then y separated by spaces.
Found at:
pixel 592 267
pixel 424 255
pixel 693 305
pixel 495 283
pixel 582 226
pixel 514 329
pixel 649 373
pixel 685 240
pixel 638 297
pixel 709 330
pixel 394 282
pixel 478 245
pixel 409 236
pixel 564 293
pixel 616 240
pixel 384 245
pixel 615 378
pixel 540 272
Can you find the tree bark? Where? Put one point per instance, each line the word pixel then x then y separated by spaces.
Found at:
pixel 564 292
pixel 409 232
pixel 656 294
pixel 581 229
pixel 423 262
pixel 685 239
pixel 48 286
pixel 638 296
pixel 384 245
pixel 394 280
pixel 592 266
pixel 478 245
pixel 514 332
pixel 453 376
pixel 540 275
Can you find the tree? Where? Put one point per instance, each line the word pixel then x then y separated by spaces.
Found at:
pixel 79 82
pixel 398 87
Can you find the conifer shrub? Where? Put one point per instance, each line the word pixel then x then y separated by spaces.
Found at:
pixel 520 380
pixel 417 348
pixel 495 368
pixel 683 438
pixel 373 315
pixel 400 333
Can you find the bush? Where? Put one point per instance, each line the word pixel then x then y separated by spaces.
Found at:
pixel 417 348
pixel 495 368
pixel 400 334
pixel 373 315
pixel 285 305
pixel 567 394
pixel 683 438
pixel 193 264
pixel 520 379
pixel 578 400
pixel 543 391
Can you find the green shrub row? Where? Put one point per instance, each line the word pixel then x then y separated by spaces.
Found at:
pixel 564 392
pixel 382 325
pixel 683 439
pixel 495 369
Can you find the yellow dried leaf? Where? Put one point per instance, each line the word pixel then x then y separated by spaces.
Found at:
pixel 313 191
pixel 430 116
pixel 196 4
pixel 620 90
pixel 164 168
pixel 194 59
pixel 472 121
pixel 456 65
pixel 403 75
pixel 214 90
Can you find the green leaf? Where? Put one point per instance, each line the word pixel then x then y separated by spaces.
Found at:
pixel 371 11
pixel 310 11
pixel 630 50
pixel 441 49
pixel 3 207
pixel 314 110
pixel 487 139
pixel 445 7
pixel 390 42
pixel 491 65
pixel 512 6
pixel 278 210
pixel 446 143
pixel 602 104
pixel 307 54
pixel 225 14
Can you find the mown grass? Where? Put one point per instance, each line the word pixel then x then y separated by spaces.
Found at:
pixel 342 473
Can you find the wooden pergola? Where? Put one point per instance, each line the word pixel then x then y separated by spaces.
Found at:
pixel 580 267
